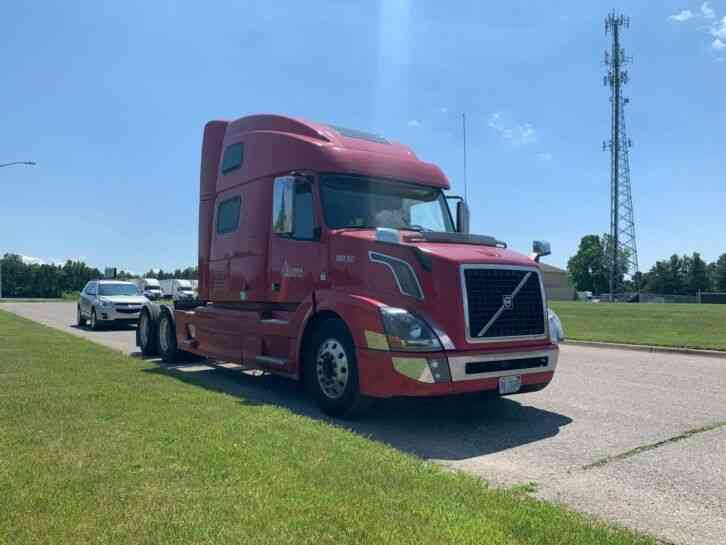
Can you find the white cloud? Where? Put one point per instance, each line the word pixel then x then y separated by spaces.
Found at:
pixel 719 29
pixel 414 123
pixel 516 133
pixel 707 10
pixel 29 260
pixel 684 15
pixel 544 156
pixel 718 45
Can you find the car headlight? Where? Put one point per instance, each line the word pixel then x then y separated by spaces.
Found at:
pixel 557 332
pixel 408 332
pixel 105 303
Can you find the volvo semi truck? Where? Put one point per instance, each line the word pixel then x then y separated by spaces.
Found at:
pixel 331 256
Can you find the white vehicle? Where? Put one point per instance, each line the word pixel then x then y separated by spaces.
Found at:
pixel 177 289
pixel 149 288
pixel 107 301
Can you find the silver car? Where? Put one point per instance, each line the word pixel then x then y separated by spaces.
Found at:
pixel 107 301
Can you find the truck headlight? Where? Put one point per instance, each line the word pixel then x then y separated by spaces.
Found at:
pixel 408 332
pixel 557 332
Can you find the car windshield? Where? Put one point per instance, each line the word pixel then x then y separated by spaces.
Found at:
pixel 362 202
pixel 117 289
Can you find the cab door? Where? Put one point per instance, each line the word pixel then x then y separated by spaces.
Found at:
pixel 297 259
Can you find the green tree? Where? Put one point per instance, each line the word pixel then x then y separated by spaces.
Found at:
pixel 720 274
pixel 588 267
pixel 696 274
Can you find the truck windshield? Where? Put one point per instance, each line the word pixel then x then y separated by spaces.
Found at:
pixel 117 289
pixel 359 201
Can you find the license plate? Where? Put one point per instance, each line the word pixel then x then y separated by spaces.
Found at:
pixel 510 385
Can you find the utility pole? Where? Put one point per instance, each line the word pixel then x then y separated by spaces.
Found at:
pixel 27 163
pixel 622 222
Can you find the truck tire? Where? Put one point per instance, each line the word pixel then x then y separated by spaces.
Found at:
pixel 148 338
pixel 167 338
pixel 331 371
pixel 80 320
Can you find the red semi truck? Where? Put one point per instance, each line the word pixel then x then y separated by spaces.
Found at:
pixel 330 255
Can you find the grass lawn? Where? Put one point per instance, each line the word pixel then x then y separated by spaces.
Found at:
pixel 97 448
pixel 676 325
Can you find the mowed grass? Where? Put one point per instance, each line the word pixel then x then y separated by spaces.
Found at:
pixel 674 325
pixel 97 447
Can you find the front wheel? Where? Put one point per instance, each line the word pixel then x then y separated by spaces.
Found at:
pixel 332 371
pixel 95 326
pixel 80 320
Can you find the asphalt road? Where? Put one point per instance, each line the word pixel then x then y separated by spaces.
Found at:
pixel 636 438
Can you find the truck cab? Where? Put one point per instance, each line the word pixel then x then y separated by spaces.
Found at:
pixel 330 255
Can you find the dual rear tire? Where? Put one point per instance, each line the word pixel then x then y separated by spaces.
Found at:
pixel 157 335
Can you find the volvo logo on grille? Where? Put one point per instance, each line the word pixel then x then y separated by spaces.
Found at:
pixel 507 302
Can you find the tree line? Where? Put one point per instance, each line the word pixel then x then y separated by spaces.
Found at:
pixel 20 279
pixel 589 270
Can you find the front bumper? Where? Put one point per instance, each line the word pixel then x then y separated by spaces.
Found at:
pixel 117 313
pixel 468 372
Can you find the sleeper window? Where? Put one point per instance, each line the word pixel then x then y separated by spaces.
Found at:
pixel 233 157
pixel 228 215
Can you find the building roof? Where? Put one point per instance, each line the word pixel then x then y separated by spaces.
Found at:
pixel 552 269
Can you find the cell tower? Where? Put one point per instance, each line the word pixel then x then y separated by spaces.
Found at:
pixel 622 248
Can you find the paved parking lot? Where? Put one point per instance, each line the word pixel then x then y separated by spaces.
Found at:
pixel 638 438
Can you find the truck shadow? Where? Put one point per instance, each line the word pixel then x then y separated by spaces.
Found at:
pixel 448 428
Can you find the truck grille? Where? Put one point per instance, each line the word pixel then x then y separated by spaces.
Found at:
pixel 503 303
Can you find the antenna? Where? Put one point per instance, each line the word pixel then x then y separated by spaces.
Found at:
pixel 623 250
pixel 463 128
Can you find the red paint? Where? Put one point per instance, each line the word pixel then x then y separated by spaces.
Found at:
pixel 256 307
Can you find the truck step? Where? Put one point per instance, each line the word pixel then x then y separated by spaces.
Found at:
pixel 269 360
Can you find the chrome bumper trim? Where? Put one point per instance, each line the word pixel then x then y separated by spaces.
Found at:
pixel 457 364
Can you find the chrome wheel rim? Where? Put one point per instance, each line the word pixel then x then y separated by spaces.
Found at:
pixel 332 368
pixel 144 329
pixel 164 335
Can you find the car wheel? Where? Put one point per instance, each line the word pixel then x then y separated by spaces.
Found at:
pixel 148 338
pixel 95 326
pixel 80 320
pixel 332 371
pixel 167 339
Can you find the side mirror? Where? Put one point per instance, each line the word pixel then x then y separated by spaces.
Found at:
pixel 282 205
pixel 462 213
pixel 462 217
pixel 540 248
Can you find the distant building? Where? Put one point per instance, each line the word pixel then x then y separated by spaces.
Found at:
pixel 557 283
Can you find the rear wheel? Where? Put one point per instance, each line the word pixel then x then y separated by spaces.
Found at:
pixel 332 370
pixel 148 338
pixel 80 320
pixel 167 339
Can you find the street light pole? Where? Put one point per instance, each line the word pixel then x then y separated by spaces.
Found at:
pixel 27 163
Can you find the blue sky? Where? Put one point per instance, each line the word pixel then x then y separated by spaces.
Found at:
pixel 110 99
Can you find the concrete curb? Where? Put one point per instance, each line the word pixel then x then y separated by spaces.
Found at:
pixel 647 348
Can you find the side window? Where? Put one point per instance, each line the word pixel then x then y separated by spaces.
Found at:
pixel 228 215
pixel 292 209
pixel 233 157
pixel 303 218
pixel 91 288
